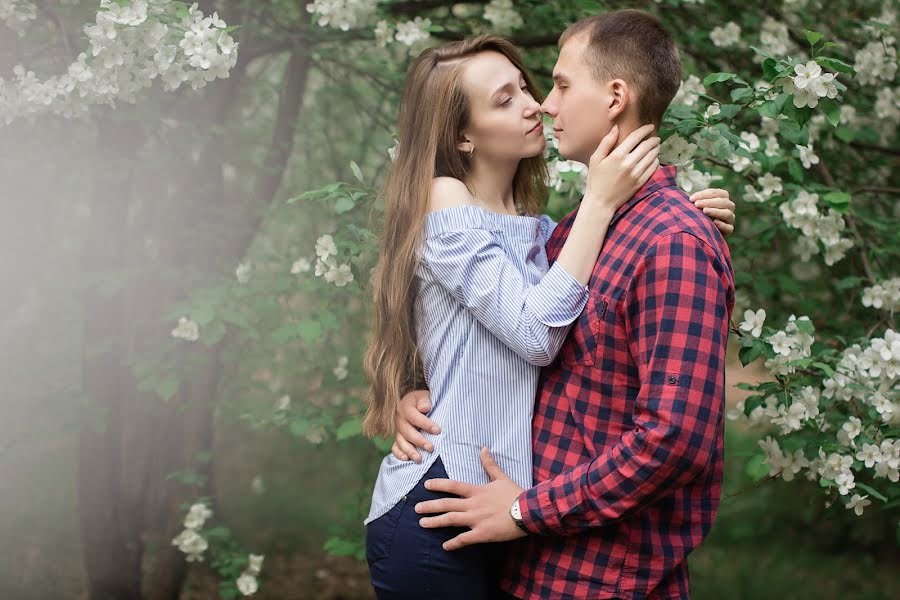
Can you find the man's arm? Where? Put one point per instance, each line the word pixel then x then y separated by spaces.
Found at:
pixel 677 323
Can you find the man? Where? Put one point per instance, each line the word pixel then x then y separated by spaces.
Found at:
pixel 628 422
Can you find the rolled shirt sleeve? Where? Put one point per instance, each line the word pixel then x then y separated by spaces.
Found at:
pixel 532 320
pixel 677 322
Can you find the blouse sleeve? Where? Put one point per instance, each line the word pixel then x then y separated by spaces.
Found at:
pixel 532 320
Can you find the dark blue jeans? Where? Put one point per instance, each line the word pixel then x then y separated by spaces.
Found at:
pixel 407 562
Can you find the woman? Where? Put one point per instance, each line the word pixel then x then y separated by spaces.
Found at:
pixel 464 296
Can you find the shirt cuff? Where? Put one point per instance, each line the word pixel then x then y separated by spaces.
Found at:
pixel 561 299
pixel 536 509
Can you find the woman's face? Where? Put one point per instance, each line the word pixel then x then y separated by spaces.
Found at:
pixel 504 120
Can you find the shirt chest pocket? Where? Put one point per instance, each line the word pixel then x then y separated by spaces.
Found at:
pixel 584 344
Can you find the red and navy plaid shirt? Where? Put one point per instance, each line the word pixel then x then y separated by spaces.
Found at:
pixel 628 426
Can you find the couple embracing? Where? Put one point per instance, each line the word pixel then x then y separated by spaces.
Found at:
pixel 570 443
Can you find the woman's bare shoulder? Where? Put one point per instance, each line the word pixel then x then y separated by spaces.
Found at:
pixel 447 192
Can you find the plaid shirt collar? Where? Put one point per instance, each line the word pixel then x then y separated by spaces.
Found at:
pixel 663 177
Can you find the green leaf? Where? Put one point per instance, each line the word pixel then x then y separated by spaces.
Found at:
pixel 344 204
pixel 770 69
pixel 383 444
pixel 848 282
pixel 720 77
pixel 202 314
pixel 310 331
pixel 813 37
pixel 824 368
pixel 796 170
pixel 832 111
pixel 757 468
pixel 166 388
pixel 872 491
pixel 835 65
pixel 349 429
pixel 845 134
pixel 357 172
pixel 751 353
pixel 739 94
pixel 793 132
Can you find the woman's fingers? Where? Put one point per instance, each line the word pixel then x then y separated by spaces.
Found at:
pixel 722 214
pixel 709 193
pixel 633 139
pixel 725 228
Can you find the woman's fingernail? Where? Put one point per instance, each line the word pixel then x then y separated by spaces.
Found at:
pixel 418 507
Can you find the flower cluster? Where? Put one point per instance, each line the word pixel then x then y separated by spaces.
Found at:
pixel 803 213
pixel 792 343
pixel 809 83
pixel 247 583
pixel 186 330
pixel 190 541
pixel 342 14
pixel 17 14
pixel 131 45
pixel 726 35
pixel 884 295
pixel 502 16
pixel 326 250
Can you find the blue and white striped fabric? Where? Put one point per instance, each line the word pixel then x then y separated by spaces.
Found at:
pixel 489 314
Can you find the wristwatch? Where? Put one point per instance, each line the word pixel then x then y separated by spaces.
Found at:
pixel 516 513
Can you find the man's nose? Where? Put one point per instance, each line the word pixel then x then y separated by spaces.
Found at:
pixel 549 106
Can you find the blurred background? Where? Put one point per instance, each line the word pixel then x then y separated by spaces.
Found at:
pixel 165 339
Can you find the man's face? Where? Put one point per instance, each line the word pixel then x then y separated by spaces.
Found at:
pixel 577 103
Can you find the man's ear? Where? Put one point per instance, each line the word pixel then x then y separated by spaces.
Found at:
pixel 619 97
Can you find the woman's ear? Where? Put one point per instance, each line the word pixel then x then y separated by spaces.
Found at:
pixel 466 146
pixel 619 97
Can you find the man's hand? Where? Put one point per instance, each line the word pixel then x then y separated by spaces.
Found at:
pixel 409 420
pixel 717 205
pixel 482 508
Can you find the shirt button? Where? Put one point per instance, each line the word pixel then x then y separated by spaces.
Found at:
pixel 672 380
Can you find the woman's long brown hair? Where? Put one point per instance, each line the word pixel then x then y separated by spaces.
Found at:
pixel 434 111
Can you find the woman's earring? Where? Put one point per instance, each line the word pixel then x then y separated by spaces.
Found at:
pixel 471 151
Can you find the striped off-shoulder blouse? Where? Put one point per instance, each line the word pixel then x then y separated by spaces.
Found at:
pixel 489 313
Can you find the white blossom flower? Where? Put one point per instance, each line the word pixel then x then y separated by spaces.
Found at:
pixel 690 179
pixel 807 156
pixel 254 564
pixel 726 35
pixel 191 543
pixel 384 33
pixel 339 276
pixel 257 485
pixel 858 503
pixel 869 454
pixel 340 371
pixel 753 322
pixel 325 247
pixel 770 184
pixel 342 14
pixel 197 515
pixel 751 141
pixel 883 296
pixel 186 330
pixel 502 16
pixel 414 31
pixel 301 265
pixel 712 110
pixel 283 403
pixel 739 162
pixel 677 151
pixel 242 273
pixel 688 91
pixel 876 61
pixel 247 584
